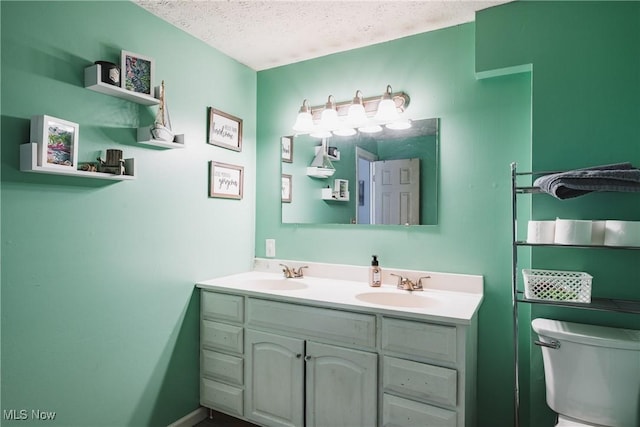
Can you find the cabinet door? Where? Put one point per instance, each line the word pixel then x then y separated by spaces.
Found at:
pixel 342 387
pixel 274 379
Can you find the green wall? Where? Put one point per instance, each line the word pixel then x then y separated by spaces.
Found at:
pixel 99 313
pixel 485 125
pixel 557 87
pixel 585 58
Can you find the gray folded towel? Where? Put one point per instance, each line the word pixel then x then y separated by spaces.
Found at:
pixel 615 177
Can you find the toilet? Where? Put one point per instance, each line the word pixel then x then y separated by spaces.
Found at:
pixel 592 373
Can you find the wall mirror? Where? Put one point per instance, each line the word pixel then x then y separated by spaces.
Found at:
pixel 387 178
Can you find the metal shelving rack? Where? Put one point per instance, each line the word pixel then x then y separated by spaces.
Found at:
pixel 601 304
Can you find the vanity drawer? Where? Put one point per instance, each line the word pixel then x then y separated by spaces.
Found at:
pixel 313 322
pixel 217 306
pixel 399 412
pixel 420 380
pixel 419 339
pixel 221 336
pixel 222 397
pixel 222 367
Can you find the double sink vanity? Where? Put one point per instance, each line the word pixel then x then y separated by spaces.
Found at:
pixel 328 350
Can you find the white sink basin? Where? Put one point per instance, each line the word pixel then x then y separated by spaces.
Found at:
pixel 395 299
pixel 274 284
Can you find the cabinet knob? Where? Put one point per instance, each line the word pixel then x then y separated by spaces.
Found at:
pixel 298 356
pixel 307 358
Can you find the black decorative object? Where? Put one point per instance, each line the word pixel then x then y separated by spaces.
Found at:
pixel 109 72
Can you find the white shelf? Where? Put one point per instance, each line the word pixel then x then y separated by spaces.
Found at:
pixel 322 173
pixel 145 132
pixel 327 194
pixel 29 163
pixel 93 81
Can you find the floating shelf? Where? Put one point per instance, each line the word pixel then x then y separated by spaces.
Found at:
pixel 29 163
pixel 145 132
pixel 92 81
pixel 322 173
pixel 327 194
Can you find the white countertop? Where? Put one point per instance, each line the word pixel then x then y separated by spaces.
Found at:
pixel 447 297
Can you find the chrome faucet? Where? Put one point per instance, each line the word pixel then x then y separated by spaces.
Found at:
pixel 291 273
pixel 407 284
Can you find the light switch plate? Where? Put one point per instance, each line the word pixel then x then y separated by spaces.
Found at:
pixel 270 247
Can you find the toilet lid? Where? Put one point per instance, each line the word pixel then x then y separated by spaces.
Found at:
pixel 568 422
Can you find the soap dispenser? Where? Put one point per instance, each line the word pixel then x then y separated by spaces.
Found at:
pixel 375 273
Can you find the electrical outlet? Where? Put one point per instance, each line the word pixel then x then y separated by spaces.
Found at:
pixel 270 247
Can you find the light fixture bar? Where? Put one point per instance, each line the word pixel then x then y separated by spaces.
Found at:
pixel 370 104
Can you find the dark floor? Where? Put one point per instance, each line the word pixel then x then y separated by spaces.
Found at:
pixel 223 420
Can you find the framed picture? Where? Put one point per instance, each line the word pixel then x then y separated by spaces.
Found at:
pixel 287 149
pixel 57 141
pixel 225 130
pixel 137 72
pixel 286 188
pixel 225 180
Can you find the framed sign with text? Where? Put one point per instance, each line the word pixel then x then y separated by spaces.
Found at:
pixel 225 130
pixel 225 180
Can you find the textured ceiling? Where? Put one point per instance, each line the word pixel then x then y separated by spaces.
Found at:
pixel 267 34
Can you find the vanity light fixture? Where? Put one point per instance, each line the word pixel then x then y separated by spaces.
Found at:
pixel 356 117
pixel 367 115
pixel 387 111
pixel 345 131
pixel 400 124
pixel 304 121
pixel 328 120
pixel 370 128
pixel 347 127
pixel 329 116
pixel 356 114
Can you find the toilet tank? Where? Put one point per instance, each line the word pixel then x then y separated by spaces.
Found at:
pixel 594 375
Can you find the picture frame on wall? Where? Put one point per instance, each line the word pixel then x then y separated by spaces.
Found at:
pixel 225 180
pixel 287 149
pixel 137 72
pixel 225 130
pixel 287 188
pixel 57 141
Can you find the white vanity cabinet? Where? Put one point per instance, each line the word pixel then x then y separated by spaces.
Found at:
pixel 342 386
pixel 282 362
pixel 221 352
pixel 428 374
pixel 300 353
pixel 275 379
pixel 288 378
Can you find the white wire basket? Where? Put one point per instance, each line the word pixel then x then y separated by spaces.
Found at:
pixel 555 285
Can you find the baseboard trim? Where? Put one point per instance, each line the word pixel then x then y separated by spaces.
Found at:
pixel 191 418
